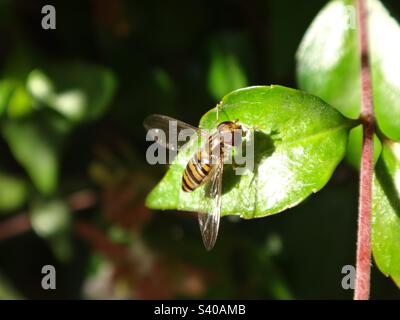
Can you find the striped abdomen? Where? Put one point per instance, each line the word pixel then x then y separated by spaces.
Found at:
pixel 200 165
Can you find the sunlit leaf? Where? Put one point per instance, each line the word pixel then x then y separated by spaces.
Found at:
pixel 386 211
pixel 328 61
pixel 298 142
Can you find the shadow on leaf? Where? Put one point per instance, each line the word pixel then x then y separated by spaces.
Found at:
pixel 263 148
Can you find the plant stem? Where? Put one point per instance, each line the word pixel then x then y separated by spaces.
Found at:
pixel 363 263
pixel 14 226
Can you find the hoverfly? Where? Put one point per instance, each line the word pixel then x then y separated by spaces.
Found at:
pixel 205 166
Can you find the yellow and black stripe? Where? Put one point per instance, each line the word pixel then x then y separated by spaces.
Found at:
pixel 196 171
pixel 200 164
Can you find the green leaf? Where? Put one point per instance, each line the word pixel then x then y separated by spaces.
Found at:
pixel 39 85
pixel 298 142
pixel 353 153
pixel 328 62
pixel 386 211
pixel 6 90
pixel 35 145
pixel 13 192
pixel 16 99
pixel 7 290
pixel 225 74
pixel 80 92
pixel 164 81
pixel 20 103
pixel 226 71
pixel 51 220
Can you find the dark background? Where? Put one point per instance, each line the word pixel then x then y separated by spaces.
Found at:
pixel 162 54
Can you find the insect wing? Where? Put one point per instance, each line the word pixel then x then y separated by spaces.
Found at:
pixel 168 132
pixel 209 223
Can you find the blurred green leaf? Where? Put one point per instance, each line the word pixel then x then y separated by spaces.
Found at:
pixel 164 81
pixel 39 85
pixel 96 261
pixel 354 147
pixel 50 218
pixel 7 291
pixel 13 192
pixel 298 142
pixel 34 146
pixel 386 211
pixel 119 235
pixel 328 62
pixel 62 247
pixel 228 51
pixel 225 74
pixel 80 92
pixel 6 89
pixel 20 103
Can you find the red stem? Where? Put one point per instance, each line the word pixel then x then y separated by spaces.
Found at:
pixel 21 223
pixel 14 226
pixel 363 264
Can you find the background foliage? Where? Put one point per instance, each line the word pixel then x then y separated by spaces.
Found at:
pixel 73 176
